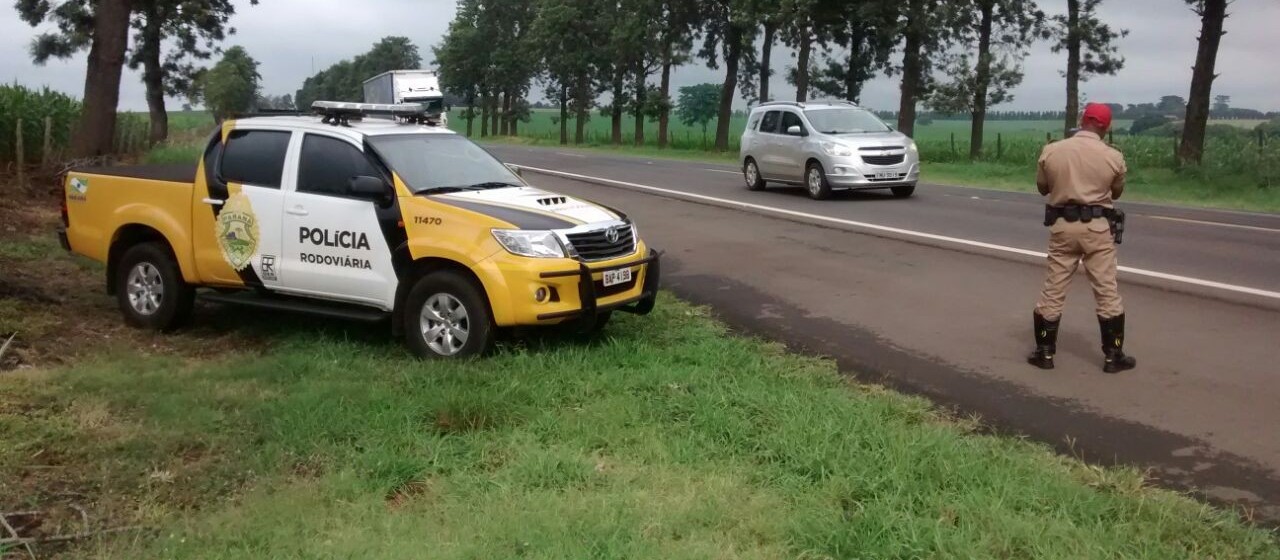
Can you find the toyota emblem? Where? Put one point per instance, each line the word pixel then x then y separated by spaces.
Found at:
pixel 611 235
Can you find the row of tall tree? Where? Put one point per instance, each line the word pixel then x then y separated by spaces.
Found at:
pixel 953 56
pixel 169 40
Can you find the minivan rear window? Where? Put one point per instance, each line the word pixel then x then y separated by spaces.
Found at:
pixel 770 121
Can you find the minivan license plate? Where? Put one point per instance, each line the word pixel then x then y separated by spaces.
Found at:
pixel 615 277
pixel 887 175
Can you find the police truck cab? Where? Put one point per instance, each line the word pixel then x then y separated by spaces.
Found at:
pixel 368 219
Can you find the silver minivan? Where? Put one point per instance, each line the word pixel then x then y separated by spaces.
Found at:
pixel 826 146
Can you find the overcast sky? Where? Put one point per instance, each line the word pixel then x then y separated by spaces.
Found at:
pixel 293 38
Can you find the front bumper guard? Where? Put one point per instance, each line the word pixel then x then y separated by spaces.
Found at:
pixel 586 315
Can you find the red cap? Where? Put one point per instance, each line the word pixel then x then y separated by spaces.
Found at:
pixel 1098 113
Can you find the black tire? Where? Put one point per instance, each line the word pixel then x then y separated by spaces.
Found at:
pixel 150 290
pixel 441 290
pixel 904 191
pixel 817 187
pixel 751 169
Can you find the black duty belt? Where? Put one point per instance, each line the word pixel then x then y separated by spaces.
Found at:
pixel 1086 214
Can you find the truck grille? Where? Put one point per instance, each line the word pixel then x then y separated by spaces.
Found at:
pixel 892 159
pixel 596 246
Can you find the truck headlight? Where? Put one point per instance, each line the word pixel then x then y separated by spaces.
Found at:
pixel 836 149
pixel 530 243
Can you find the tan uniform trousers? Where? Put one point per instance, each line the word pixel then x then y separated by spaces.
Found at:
pixel 1069 244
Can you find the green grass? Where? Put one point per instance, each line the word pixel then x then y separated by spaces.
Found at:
pixel 670 438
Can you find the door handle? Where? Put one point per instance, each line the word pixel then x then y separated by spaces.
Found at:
pixel 213 201
pixel 298 211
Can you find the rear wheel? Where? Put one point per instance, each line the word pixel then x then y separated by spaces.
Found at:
pixel 150 289
pixel 903 191
pixel 446 316
pixel 815 180
pixel 751 174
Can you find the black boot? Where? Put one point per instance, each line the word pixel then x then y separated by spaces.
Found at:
pixel 1046 333
pixel 1113 345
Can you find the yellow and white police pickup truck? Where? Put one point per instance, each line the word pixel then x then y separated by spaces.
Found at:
pixel 346 215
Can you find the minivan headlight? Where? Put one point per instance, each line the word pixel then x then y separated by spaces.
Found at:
pixel 911 147
pixel 530 243
pixel 836 149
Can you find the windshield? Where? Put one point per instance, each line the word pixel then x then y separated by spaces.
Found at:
pixel 844 120
pixel 441 162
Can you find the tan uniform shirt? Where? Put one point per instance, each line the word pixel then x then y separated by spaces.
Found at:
pixel 1081 170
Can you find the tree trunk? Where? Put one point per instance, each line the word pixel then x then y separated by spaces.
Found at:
pixel 852 71
pixel 664 118
pixel 471 113
pixel 912 69
pixel 766 51
pixel 802 64
pixel 982 80
pixel 504 119
pixel 484 116
pixel 153 77
pixel 733 52
pixel 96 133
pixel 615 110
pixel 641 98
pixel 1212 14
pixel 580 121
pixel 1073 67
pixel 564 114
pixel 495 113
pixel 514 127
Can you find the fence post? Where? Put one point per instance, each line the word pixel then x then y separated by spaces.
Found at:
pixel 47 148
pixel 1262 140
pixel 1048 138
pixel 21 157
pixel 999 146
pixel 953 143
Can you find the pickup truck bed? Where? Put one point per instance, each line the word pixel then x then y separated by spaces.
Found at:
pixel 175 173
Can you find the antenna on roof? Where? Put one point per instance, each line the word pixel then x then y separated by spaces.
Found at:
pixel 340 113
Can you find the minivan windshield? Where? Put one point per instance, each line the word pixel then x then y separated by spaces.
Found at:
pixel 844 120
pixel 441 163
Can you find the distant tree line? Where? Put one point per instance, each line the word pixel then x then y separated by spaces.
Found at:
pixel 954 57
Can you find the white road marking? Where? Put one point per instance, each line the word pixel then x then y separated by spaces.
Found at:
pixel 904 232
pixel 570 154
pixel 1205 223
pixel 720 170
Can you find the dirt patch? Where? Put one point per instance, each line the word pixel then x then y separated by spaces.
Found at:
pixel 56 302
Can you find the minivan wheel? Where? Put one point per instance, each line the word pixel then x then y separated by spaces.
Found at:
pixel 815 180
pixel 751 173
pixel 446 316
pixel 903 191
pixel 150 289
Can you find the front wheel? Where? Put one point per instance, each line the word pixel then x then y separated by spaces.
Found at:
pixel 150 289
pixel 816 184
pixel 446 316
pixel 751 174
pixel 903 191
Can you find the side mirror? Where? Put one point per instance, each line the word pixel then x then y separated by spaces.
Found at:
pixel 515 169
pixel 372 188
pixel 795 130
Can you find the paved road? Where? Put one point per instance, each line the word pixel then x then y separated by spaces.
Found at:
pixel 933 295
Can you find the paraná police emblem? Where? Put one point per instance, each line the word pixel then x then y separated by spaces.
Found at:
pixel 237 231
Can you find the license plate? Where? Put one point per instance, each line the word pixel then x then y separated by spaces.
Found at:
pixel 887 175
pixel 615 277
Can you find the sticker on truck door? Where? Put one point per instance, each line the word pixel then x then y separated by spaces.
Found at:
pixel 237 231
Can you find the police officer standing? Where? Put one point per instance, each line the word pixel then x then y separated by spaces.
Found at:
pixel 1082 175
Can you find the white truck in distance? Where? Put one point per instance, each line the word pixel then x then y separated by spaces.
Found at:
pixel 409 86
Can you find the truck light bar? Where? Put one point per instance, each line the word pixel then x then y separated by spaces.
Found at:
pixel 339 113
